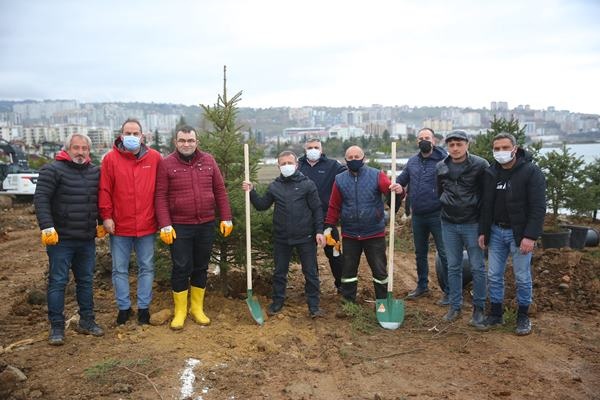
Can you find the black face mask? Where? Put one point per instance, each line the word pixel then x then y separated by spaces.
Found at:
pixel 354 165
pixel 425 146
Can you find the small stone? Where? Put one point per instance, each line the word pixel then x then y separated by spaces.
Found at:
pixel 36 296
pixel 576 378
pixel 566 279
pixel 161 317
pixel 122 388
pixel 20 376
pixel 563 286
pixel 545 272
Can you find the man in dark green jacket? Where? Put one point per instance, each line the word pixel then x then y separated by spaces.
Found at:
pixel 297 223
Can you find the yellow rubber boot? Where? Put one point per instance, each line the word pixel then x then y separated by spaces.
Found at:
pixel 197 306
pixel 180 299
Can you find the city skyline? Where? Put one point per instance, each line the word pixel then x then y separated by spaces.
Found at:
pixel 336 54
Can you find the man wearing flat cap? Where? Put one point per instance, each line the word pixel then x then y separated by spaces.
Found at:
pixel 460 183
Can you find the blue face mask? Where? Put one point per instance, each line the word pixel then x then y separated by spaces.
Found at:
pixel 354 165
pixel 131 143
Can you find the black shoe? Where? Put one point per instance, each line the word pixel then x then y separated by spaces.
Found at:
pixel 89 327
pixel 478 319
pixel 124 316
pixel 523 325
pixel 452 315
pixel 493 321
pixel 57 335
pixel 274 309
pixel 318 313
pixel 444 301
pixel 418 292
pixel 143 316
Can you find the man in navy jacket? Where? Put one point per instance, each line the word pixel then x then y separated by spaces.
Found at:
pixel 420 177
pixel 322 171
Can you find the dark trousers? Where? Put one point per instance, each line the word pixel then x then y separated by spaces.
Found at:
pixel 308 258
pixel 424 225
pixel 190 254
pixel 336 264
pixel 78 256
pixel 374 250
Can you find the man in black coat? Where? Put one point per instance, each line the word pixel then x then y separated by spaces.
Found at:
pixel 297 223
pixel 66 206
pixel 512 219
pixel 460 182
pixel 322 171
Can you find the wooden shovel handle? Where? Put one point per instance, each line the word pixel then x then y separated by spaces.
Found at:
pixel 248 237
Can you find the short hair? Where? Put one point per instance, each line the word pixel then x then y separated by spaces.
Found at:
pixel 313 139
pixel 69 139
pixel 135 121
pixel 287 153
pixel 505 135
pixel 186 129
pixel 426 129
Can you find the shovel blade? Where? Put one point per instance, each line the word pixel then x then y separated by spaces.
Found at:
pixel 255 308
pixel 390 312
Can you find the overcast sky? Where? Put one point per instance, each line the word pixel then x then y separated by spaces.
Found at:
pixel 301 53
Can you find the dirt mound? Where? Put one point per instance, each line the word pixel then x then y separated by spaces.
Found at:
pixel 567 280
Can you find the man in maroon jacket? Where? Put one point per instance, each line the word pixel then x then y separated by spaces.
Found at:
pixel 189 187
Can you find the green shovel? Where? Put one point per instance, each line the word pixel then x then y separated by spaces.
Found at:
pixel 252 302
pixel 390 312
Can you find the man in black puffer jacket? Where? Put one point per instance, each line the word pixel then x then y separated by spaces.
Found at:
pixel 66 206
pixel 297 223
pixel 512 219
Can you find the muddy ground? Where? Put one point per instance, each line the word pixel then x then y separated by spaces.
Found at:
pixel 293 356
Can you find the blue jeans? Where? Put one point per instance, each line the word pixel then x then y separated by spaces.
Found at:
pixel 79 256
pixel 456 238
pixel 501 244
pixel 307 252
pixel 423 225
pixel 120 248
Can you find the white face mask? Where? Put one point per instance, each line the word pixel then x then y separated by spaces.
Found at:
pixel 313 154
pixel 503 157
pixel 287 170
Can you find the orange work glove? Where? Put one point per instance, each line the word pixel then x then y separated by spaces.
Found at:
pixel 167 234
pixel 226 228
pixel 49 237
pixel 100 231
pixel 329 240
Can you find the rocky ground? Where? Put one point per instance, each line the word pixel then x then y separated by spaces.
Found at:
pixel 292 356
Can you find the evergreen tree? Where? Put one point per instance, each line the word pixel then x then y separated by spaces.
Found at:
pixel 482 145
pixel 562 170
pixel 223 138
pixel 586 195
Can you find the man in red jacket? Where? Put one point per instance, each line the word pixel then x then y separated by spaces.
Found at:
pixel 189 187
pixel 126 203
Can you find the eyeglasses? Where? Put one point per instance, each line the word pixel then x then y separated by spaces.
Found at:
pixel 184 141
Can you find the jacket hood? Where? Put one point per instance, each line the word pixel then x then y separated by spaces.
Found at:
pixel 64 156
pixel 438 154
pixel 118 145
